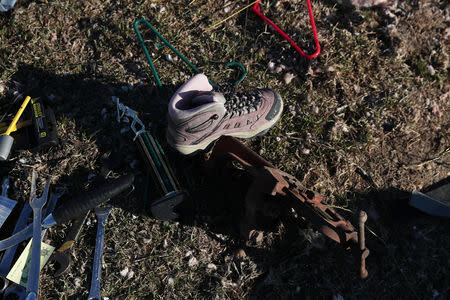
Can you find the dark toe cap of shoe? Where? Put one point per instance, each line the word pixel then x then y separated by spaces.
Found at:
pixel 277 104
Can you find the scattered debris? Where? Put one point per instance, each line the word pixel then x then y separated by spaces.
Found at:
pixel 288 78
pixel 192 262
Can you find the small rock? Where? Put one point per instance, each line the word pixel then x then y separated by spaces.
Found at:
pixel 227 9
pixel 170 281
pixel 278 69
pixel 192 262
pixel 124 272
pixel 88 222
pixel 211 266
pixel 169 58
pixel 105 298
pixel 23 160
pixel 2 88
pixel 146 241
pixel 306 151
pixel 77 282
pixel 278 139
pixel 271 66
pixel 431 70
pixel 130 274
pixel 288 78
pixel 240 254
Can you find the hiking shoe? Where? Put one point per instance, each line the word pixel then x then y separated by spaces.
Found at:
pixel 198 115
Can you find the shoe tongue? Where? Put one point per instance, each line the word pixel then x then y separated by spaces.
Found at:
pixel 207 97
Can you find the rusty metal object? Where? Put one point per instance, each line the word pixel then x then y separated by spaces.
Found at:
pixel 267 180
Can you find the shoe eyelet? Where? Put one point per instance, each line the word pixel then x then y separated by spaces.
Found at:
pixel 215 117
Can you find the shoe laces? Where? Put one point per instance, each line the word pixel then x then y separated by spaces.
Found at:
pixel 241 103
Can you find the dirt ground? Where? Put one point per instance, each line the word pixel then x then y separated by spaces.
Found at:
pixel 364 124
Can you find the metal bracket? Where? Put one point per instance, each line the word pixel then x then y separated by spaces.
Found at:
pixel 125 111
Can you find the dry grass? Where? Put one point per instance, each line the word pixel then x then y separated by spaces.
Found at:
pixel 375 102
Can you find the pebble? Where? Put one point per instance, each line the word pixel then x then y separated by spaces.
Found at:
pixel 306 151
pixel 2 88
pixel 169 58
pixel 77 282
pixel 431 70
pixel 288 78
pixel 130 274
pixel 124 272
pixel 23 160
pixel 240 254
pixel 170 281
pixel 271 66
pixel 212 266
pixel 227 9
pixel 278 69
pixel 192 262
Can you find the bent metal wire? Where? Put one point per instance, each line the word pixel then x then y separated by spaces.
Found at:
pixel 166 43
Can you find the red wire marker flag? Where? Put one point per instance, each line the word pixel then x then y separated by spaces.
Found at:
pixel 257 10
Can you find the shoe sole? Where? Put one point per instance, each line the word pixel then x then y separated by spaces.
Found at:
pixel 198 148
